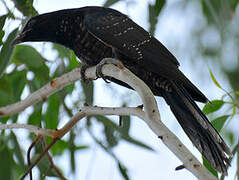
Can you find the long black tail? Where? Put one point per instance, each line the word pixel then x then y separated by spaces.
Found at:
pixel 196 125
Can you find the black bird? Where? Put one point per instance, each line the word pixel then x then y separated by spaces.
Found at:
pixel 94 33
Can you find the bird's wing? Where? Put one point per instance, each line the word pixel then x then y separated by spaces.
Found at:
pixel 121 33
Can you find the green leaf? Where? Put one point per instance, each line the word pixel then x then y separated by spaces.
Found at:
pixel 2 33
pixel 236 92
pixel 136 142
pixel 6 51
pixel 2 21
pixel 214 80
pixel 18 82
pixel 29 56
pixel 88 92
pixel 17 151
pixel 35 117
pixel 208 166
pixel 158 6
pixel 112 140
pixel 63 52
pixel 73 62
pixel 6 163
pixel 219 122
pixel 109 3
pixel 125 125
pixel 110 129
pixel 123 171
pixel 230 137
pixel 113 133
pixel 59 147
pixel 25 6
pixel 51 117
pixel 5 91
pixel 212 106
pixel 44 166
pixel 154 11
pixel 82 147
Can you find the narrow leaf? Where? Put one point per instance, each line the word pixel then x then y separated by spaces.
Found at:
pixel 219 122
pixel 17 151
pixel 44 166
pixel 6 51
pixel 208 166
pixel 126 125
pixel 154 11
pixel 230 136
pixel 109 3
pixel 52 113
pixel 136 142
pixel 88 92
pixel 18 82
pixel 29 56
pixel 59 147
pixel 7 162
pixel 25 6
pixel 123 171
pixel 214 79
pixel 2 21
pixel 213 106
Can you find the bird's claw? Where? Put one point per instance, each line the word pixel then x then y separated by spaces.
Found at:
pixel 82 72
pixel 99 67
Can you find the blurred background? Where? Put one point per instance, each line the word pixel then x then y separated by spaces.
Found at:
pixel 202 34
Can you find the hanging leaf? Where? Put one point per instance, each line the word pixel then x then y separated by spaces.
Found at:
pixel 18 151
pixel 44 166
pixel 219 122
pixel 88 89
pixel 29 56
pixel 109 3
pixel 18 82
pixel 136 142
pixel 51 118
pixel 123 170
pixel 25 6
pixel 214 80
pixel 6 51
pixel 2 22
pixel 154 11
pixel 212 106
pixel 209 167
pixel 7 165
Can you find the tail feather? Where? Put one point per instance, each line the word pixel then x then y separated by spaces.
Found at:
pixel 199 130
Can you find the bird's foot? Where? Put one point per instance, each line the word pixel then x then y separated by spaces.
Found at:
pixel 82 72
pixel 104 61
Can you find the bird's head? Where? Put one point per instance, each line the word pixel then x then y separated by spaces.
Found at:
pixel 52 27
pixel 38 28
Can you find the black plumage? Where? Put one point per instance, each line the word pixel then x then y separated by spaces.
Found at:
pixel 94 33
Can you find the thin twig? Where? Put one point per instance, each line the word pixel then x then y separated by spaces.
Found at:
pixel 29 153
pixel 39 158
pixel 51 160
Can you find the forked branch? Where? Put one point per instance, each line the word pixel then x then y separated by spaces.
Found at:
pixel 149 114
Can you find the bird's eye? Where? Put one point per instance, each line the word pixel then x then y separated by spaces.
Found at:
pixel 31 22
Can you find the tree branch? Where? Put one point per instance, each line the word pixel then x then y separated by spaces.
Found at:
pixel 150 114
